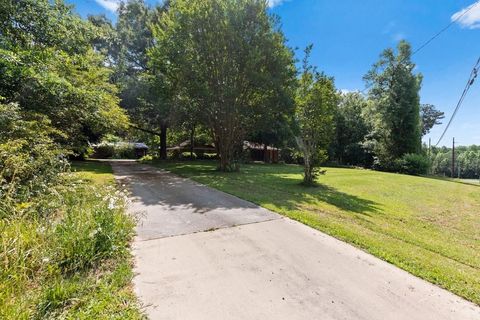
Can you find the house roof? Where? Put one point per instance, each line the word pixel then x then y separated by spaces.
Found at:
pixel 140 145
pixel 257 146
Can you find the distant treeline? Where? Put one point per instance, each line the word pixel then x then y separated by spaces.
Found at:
pixel 467 161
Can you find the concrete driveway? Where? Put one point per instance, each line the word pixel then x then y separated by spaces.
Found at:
pixel 204 254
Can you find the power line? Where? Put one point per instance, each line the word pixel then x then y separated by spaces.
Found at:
pixel 446 27
pixel 471 80
pixel 426 43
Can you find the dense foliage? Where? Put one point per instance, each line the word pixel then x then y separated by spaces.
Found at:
pixel 63 255
pixel 57 232
pixel 227 63
pixel 394 106
pixel 30 160
pixel 49 67
pixel 467 162
pixel 351 129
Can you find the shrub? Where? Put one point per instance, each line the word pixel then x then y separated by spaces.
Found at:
pixel 104 151
pixel 188 156
pixel 124 151
pixel 30 160
pixel 112 151
pixel 210 156
pixel 291 155
pixel 147 158
pixel 414 164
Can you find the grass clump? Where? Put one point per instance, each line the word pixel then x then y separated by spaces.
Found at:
pixel 72 261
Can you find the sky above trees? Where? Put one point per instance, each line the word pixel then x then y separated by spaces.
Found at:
pixel 349 35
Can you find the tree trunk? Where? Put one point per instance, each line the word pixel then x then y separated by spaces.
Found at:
pixel 308 169
pixel 192 142
pixel 226 153
pixel 163 141
pixel 265 153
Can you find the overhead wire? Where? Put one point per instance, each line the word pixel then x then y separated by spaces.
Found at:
pixel 470 82
pixel 436 35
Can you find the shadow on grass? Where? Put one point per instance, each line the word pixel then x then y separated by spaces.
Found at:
pixel 285 195
pixel 267 185
pixel 475 182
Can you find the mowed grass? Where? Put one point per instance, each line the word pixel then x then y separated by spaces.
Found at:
pixel 428 227
pixel 100 173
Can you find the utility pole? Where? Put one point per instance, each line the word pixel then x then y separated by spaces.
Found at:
pixel 429 155
pixel 453 158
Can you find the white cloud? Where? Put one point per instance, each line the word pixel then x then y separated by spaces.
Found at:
pixel 274 3
pixel 468 17
pixel 111 5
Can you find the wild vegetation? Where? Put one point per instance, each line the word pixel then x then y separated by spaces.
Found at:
pixel 64 252
pixel 63 239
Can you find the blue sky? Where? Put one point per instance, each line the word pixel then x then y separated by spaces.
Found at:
pixel 348 36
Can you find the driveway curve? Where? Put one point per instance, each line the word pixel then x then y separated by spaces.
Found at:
pixel 203 254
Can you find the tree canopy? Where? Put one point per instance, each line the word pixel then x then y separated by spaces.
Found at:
pixel 315 105
pixel 49 66
pixel 228 60
pixel 394 105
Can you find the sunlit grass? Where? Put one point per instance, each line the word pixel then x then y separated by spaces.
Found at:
pixel 429 227
pixel 73 263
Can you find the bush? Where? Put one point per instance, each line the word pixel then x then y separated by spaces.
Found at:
pixel 124 152
pixel 30 161
pixel 147 158
pixel 104 151
pixel 208 156
pixel 411 163
pixel 188 156
pixel 111 151
pixel 291 155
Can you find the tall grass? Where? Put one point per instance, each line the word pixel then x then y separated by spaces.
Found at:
pixel 70 261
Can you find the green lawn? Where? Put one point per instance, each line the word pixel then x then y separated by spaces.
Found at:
pixel 95 171
pixel 429 227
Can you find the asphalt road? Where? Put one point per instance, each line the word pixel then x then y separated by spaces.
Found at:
pixel 203 254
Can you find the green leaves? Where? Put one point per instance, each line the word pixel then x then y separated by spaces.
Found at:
pixel 226 63
pixel 316 102
pixel 30 160
pixel 395 105
pixel 49 67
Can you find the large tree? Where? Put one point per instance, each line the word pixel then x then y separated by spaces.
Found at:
pixel 394 105
pixel 48 66
pixel 351 128
pixel 126 45
pixel 315 102
pixel 228 60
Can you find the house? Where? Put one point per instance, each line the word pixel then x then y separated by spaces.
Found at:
pixel 261 152
pixel 198 148
pixel 140 148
